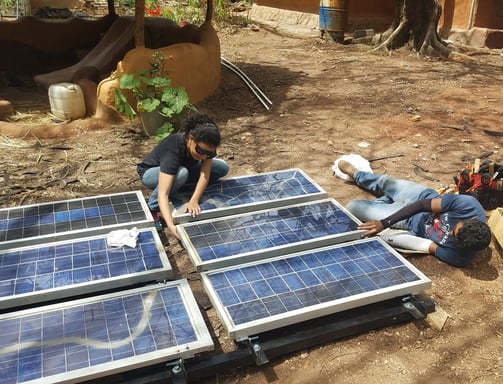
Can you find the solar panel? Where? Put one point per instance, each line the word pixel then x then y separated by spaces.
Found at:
pixel 268 294
pixel 73 267
pixel 240 194
pixel 256 235
pixel 89 338
pixel 31 224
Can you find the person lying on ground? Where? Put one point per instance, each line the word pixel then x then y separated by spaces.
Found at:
pixel 181 158
pixel 451 227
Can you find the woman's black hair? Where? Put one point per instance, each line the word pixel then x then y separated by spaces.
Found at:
pixel 202 128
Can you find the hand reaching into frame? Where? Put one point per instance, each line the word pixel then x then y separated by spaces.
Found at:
pixel 372 228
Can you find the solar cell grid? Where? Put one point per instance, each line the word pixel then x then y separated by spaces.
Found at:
pixel 239 194
pixel 26 222
pixel 91 337
pixel 230 240
pixel 54 270
pixel 266 294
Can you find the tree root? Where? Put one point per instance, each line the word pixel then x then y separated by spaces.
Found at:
pixel 416 24
pixel 386 44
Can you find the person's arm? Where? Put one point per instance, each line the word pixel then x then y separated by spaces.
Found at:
pixel 432 249
pixel 373 227
pixel 192 206
pixel 163 189
pixel 405 240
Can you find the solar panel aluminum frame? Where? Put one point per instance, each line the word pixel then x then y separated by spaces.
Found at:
pixel 92 286
pixel 180 217
pixel 204 341
pixel 202 265
pixel 244 331
pixel 71 234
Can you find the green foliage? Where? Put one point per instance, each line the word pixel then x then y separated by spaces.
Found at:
pixel 164 130
pixel 153 91
pixel 7 4
pixel 151 3
pixel 220 11
pixel 193 11
pixel 126 3
pixel 190 11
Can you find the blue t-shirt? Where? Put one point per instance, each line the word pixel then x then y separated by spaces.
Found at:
pixel 438 226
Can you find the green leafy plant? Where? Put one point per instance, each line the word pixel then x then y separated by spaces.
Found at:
pixel 6 5
pixel 153 91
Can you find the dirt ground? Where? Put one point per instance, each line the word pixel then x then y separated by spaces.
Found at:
pixel 328 100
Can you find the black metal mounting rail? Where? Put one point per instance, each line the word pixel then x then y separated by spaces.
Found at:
pixel 261 349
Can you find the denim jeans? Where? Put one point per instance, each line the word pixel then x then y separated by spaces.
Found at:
pixel 397 193
pixel 150 179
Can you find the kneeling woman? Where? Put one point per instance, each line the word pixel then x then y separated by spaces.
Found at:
pixel 180 158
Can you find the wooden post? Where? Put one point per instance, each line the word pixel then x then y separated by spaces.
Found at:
pixel 111 7
pixel 139 24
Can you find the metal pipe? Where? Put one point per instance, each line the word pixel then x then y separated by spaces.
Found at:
pixel 245 78
pixel 246 82
pixel 472 14
pixel 251 85
pixel 249 80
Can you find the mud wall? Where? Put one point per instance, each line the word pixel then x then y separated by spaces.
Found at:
pixel 361 13
pixel 481 20
pixel 457 14
pixel 489 14
pixel 32 46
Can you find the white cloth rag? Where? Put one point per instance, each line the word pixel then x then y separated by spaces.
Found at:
pixel 122 237
pixel 357 161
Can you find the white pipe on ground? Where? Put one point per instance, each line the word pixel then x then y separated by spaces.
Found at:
pixel 251 85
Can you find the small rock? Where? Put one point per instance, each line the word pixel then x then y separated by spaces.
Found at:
pixel 6 108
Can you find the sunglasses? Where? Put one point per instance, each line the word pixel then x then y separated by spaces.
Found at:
pixel 204 152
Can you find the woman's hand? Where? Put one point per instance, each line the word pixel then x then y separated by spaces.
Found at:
pixel 171 230
pixel 373 227
pixel 192 208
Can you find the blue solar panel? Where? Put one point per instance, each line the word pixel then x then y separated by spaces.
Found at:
pixel 89 338
pixel 253 192
pixel 255 235
pixel 267 294
pixel 54 270
pixel 25 223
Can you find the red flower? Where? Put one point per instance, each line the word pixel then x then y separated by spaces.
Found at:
pixel 153 11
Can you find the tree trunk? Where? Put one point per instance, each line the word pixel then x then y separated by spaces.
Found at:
pixel 415 24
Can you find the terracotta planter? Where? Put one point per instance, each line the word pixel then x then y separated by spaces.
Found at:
pixel 152 121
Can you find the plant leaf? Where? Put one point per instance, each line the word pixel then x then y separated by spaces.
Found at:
pixel 130 81
pixel 161 82
pixel 148 105
pixel 164 130
pixel 153 91
pixel 122 105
